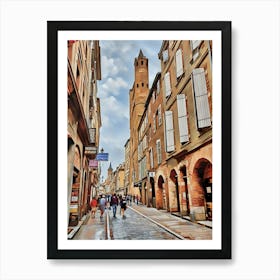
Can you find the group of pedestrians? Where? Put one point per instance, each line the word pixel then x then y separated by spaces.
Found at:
pixel 110 202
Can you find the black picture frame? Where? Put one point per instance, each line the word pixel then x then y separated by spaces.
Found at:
pixel 53 27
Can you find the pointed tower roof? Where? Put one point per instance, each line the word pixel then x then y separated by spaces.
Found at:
pixel 141 55
pixel 110 167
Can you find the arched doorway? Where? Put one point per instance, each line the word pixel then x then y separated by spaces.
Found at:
pixel 161 196
pixel 174 179
pixel 152 182
pixel 74 200
pixel 183 171
pixel 202 177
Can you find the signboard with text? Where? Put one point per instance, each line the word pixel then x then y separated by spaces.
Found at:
pixel 102 157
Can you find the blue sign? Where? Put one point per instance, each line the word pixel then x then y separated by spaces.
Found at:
pixel 102 157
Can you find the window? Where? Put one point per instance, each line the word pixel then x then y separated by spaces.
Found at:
pixel 195 48
pixel 182 118
pixel 142 84
pixel 195 44
pixel 158 146
pixel 179 63
pixel 169 131
pixel 159 115
pixel 151 158
pixel 201 98
pixel 158 87
pixel 165 55
pixel 167 84
pixel 154 122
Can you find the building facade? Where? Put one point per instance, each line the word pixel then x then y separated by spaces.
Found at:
pixel 137 98
pixel 84 122
pixel 128 190
pixel 187 79
pixel 171 130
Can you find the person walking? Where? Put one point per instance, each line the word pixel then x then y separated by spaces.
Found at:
pixel 114 204
pixel 123 206
pixel 93 205
pixel 102 204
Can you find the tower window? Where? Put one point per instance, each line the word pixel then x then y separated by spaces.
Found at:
pixel 142 84
pixel 137 85
pixel 141 62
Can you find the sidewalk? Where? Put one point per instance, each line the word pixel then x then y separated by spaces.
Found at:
pixel 183 228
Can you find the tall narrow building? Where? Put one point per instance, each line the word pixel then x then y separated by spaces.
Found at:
pixel 137 98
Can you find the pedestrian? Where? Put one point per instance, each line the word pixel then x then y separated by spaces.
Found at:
pixel 93 205
pixel 127 199
pixel 123 206
pixel 130 199
pixel 136 198
pixel 102 204
pixel 114 204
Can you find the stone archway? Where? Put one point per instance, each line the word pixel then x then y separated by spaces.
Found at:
pixel 202 188
pixel 176 193
pixel 185 189
pixel 161 194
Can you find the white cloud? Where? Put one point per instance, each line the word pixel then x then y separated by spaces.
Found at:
pixel 109 68
pixel 112 86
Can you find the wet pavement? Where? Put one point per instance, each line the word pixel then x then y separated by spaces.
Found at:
pixel 182 227
pixel 141 223
pixel 93 229
pixel 135 227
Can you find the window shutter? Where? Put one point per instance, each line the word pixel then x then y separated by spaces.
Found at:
pixel 165 55
pixel 201 98
pixel 154 120
pixel 169 131
pixel 179 63
pixel 182 118
pixel 158 151
pixel 159 115
pixel 151 158
pixel 167 84
pixel 195 44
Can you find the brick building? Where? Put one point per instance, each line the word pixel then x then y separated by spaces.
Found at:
pixel 171 130
pixel 84 122
pixel 137 98
pixel 187 78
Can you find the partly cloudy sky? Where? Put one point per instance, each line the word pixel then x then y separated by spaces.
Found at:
pixel 117 71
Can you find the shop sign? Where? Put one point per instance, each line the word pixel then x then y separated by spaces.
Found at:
pixel 92 134
pixel 102 157
pixel 93 163
pixel 90 150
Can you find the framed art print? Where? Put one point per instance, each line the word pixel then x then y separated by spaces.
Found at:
pixel 139 140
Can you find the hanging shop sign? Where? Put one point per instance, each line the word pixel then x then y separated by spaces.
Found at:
pixel 102 157
pixel 93 163
pixel 90 150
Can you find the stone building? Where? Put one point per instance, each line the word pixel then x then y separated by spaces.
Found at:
pixel 84 122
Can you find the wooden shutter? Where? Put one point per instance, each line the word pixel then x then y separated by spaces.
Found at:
pixel 151 158
pixel 158 151
pixel 179 63
pixel 167 84
pixel 182 118
pixel 169 131
pixel 201 98
pixel 195 44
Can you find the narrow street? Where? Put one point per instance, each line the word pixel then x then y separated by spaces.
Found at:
pixel 132 227
pixel 141 223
